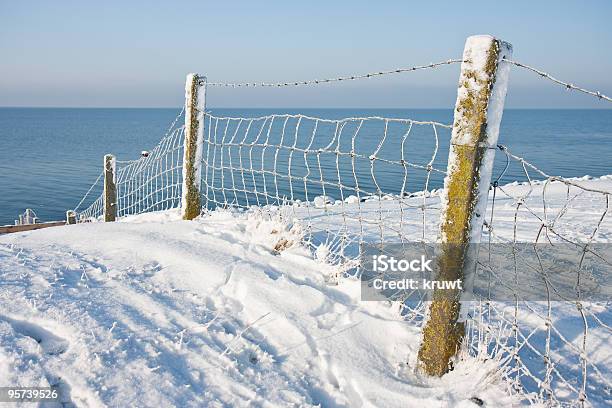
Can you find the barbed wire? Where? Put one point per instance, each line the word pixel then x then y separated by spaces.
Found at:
pixel 337 79
pixel 543 74
pixel 567 85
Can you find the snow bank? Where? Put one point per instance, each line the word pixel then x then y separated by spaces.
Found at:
pixel 164 312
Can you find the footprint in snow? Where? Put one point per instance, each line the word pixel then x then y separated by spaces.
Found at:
pixel 50 343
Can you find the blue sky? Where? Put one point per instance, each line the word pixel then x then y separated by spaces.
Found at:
pixel 136 53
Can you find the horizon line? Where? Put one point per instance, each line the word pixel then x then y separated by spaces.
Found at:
pixel 289 107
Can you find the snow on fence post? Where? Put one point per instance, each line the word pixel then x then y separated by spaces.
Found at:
pixel 195 104
pixel 70 217
pixel 110 188
pixel 480 102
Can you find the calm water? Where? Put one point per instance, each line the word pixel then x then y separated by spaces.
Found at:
pixel 50 157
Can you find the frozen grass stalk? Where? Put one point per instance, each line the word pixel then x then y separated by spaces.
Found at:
pixel 480 101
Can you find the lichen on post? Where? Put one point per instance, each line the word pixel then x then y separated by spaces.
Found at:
pixel 110 188
pixel 480 102
pixel 195 96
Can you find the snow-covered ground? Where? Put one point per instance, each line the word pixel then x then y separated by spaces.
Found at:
pixel 154 311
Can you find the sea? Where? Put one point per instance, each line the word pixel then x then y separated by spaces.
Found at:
pixel 49 157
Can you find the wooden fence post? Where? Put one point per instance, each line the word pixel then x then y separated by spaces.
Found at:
pixel 195 104
pixel 480 102
pixel 70 217
pixel 110 188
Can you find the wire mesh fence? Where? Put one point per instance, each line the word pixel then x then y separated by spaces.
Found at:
pixel 368 180
pixel 341 178
pixel 553 340
pixel 91 206
pixel 151 183
pixel 351 181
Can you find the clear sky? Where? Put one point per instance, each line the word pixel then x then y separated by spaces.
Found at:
pixel 136 53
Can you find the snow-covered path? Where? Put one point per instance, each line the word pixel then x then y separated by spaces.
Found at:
pixel 166 312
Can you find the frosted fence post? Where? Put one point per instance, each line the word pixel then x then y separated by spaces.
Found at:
pixel 110 188
pixel 195 104
pixel 29 218
pixel 70 217
pixel 480 102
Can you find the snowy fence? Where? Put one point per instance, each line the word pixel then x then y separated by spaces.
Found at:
pixel 151 183
pixel 349 181
pixel 550 343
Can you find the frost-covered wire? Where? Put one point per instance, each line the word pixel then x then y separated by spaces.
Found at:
pixel 545 356
pixel 341 178
pixel 150 183
pixel 351 181
pixel 336 79
pixel 567 85
pixel 154 181
pixel 95 208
